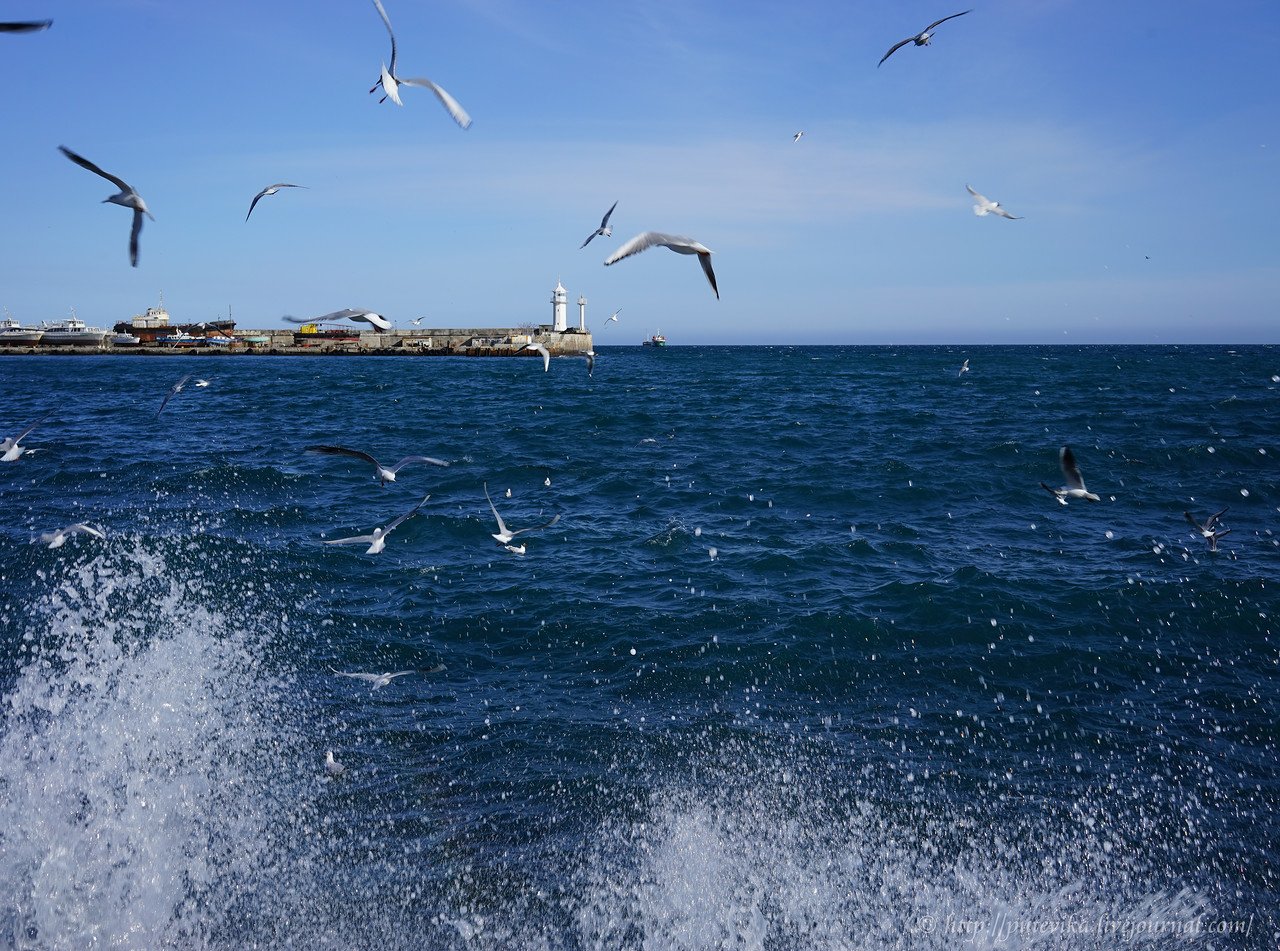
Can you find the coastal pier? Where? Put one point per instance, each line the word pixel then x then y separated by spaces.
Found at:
pixel 152 333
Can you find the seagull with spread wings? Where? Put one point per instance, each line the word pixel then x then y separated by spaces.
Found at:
pixel 390 82
pixel 382 473
pixel 127 196
pixel 1074 489
pixel 604 230
pixel 269 190
pixel 985 206
pixel 504 535
pixel 377 539
pixel 680 245
pixel 920 39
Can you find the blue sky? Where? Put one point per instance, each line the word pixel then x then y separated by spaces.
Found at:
pixel 1138 140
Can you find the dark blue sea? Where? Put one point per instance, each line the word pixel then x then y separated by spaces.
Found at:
pixel 810 660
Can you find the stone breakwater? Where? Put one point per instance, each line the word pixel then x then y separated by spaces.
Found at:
pixel 479 342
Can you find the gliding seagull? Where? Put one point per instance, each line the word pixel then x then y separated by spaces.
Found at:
pixel 1209 531
pixel 504 535
pixel 377 540
pixel 389 81
pixel 604 230
pixel 383 475
pixel 613 318
pixel 126 197
pixel 269 190
pixel 986 206
pixel 796 137
pixel 57 539
pixel 920 39
pixel 648 239
pixel 378 680
pixel 546 357
pixel 1074 489
pixel 173 391
pixel 964 369
pixel 10 451
pixel 368 316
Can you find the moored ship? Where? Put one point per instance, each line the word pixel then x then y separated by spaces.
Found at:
pixel 13 334
pixel 73 332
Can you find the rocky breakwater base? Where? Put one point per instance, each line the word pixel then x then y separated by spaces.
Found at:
pixel 481 342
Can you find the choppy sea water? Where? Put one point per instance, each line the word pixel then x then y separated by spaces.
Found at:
pixel 809 661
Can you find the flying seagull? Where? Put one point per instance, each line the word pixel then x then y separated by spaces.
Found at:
pixel 269 190
pixel 985 206
pixel 604 230
pixel 173 391
pixel 390 82
pixel 378 680
pixel 377 540
pixel 383 475
pixel 10 451
pixel 648 239
pixel 614 316
pixel 126 197
pixel 1209 530
pixel 368 316
pixel 417 321
pixel 796 137
pixel 964 368
pixel 1074 489
pixel 504 535
pixel 26 26
pixel 920 39
pixel 57 539
pixel 546 357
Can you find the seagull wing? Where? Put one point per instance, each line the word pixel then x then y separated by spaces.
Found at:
pixel 344 451
pixel 978 195
pixel 254 203
pixel 133 236
pixel 81 529
pixel 944 20
pixel 536 528
pixel 643 242
pixel 893 49
pixel 395 522
pixel 588 241
pixel 450 104
pixel 356 676
pixel 387 23
pixel 705 260
pixel 23 435
pixel 1213 520
pixel 410 460
pixel 173 390
pixel 604 222
pixel 502 526
pixel 1004 214
pixel 399 673
pixel 85 163
pixel 353 540
pixel 1198 526
pixel 1070 471
pixel 27 26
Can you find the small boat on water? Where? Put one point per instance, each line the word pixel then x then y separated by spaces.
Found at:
pixel 73 332
pixel 657 340
pixel 13 334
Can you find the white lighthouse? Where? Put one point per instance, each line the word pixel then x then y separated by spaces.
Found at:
pixel 582 313
pixel 559 309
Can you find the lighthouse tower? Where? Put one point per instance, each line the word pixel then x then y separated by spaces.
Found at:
pixel 559 309
pixel 582 313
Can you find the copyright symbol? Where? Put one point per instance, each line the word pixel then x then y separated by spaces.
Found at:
pixel 926 924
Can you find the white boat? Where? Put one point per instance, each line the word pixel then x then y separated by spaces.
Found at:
pixel 74 332
pixel 125 340
pixel 13 334
pixel 180 338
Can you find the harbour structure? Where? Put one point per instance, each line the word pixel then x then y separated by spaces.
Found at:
pixel 153 333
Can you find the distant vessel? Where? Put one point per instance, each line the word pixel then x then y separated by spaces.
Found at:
pixel 180 338
pixel 125 340
pixel 657 340
pixel 73 332
pixel 13 334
